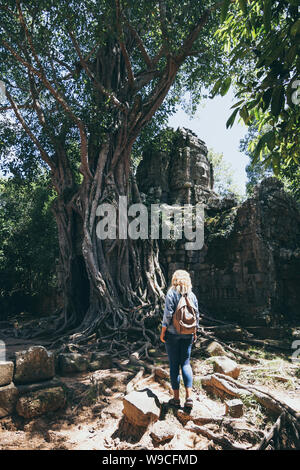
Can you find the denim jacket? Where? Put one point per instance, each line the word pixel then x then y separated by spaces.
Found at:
pixel 172 299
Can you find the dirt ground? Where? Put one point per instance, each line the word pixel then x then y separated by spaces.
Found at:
pixel 93 417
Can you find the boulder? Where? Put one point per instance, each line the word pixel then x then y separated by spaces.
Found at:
pixel 234 408
pixel 29 388
pixel 6 372
pixel 8 399
pixel 141 407
pixel 34 365
pixel 161 373
pixel 215 349
pixel 161 433
pixel 100 360
pixel 41 402
pixel 70 363
pixel 226 366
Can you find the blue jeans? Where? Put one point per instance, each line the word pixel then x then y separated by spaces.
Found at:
pixel 179 349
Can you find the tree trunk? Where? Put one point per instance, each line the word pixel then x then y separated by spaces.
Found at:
pixel 113 288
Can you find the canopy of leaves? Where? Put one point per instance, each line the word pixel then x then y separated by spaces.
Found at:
pixel 289 174
pixel 262 37
pixel 28 241
pixel 56 69
pixel 223 176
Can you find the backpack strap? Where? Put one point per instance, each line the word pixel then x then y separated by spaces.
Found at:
pixel 190 302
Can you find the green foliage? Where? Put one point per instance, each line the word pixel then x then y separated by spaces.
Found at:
pixel 94 26
pixel 288 173
pixel 262 39
pixel 28 241
pixel 223 176
pixel 220 226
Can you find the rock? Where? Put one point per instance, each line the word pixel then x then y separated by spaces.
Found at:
pixel 161 373
pixel 180 174
pixel 234 408
pixel 215 349
pixel 34 365
pixel 41 402
pixel 279 378
pixel 6 372
pixel 100 360
pixel 141 407
pixel 226 366
pixel 70 363
pixel 23 389
pixel 161 433
pixel 8 399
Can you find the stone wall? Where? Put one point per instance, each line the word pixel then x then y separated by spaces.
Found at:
pixel 181 173
pixel 29 385
pixel 249 268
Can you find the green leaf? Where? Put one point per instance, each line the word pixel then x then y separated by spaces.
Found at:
pixel 224 10
pixel 278 100
pixel 253 103
pixel 271 140
pixel 237 104
pixel 291 54
pixel 216 87
pixel 267 14
pixel 262 143
pixel 225 86
pixel 295 29
pixel 243 6
pixel 276 163
pixel 231 120
pixel 244 114
pixel 267 99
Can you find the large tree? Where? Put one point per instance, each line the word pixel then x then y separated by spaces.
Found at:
pixel 263 38
pixel 83 79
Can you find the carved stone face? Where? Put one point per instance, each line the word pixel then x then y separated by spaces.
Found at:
pixel 201 173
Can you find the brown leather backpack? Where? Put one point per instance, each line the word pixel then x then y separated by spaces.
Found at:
pixel 184 317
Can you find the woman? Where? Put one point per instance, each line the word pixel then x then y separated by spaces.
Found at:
pixel 179 346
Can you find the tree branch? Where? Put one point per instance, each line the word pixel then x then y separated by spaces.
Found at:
pixel 163 22
pixel 189 41
pixel 139 41
pixel 20 118
pixel 123 46
pixel 61 101
pixel 90 74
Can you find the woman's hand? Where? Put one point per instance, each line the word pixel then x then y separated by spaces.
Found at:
pixel 195 338
pixel 162 335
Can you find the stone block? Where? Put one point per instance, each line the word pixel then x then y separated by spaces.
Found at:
pixel 8 399
pixel 234 408
pixel 6 372
pixel 34 365
pixel 141 407
pixel 41 402
pixel 226 366
pixel 70 363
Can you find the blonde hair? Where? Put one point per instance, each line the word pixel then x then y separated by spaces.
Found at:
pixel 181 281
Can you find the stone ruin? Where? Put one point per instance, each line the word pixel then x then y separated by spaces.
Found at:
pixel 248 270
pixel 181 173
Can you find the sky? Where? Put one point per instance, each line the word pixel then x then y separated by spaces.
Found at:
pixel 209 123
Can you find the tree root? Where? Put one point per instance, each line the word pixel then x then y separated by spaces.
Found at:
pixel 288 417
pixel 275 429
pixel 223 441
